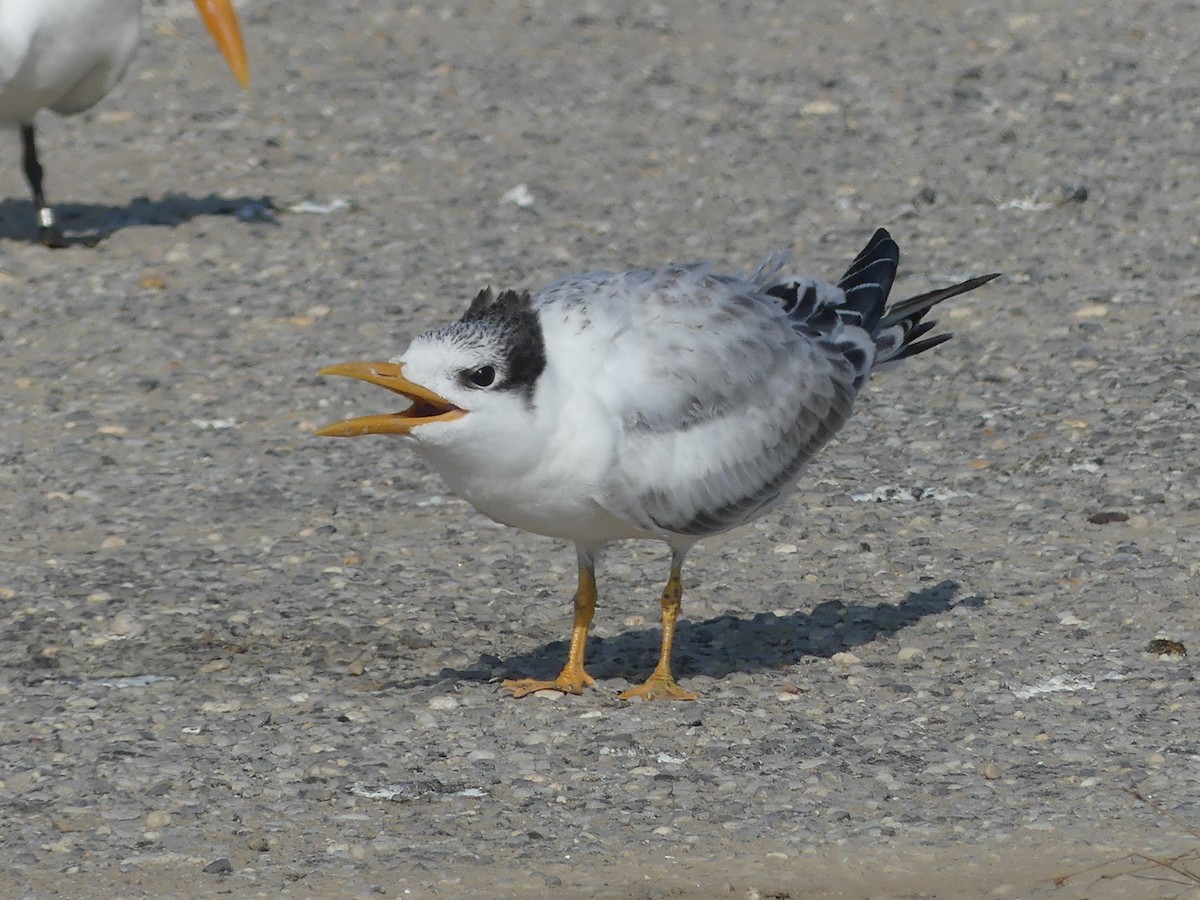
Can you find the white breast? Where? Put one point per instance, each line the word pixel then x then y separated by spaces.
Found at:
pixel 546 473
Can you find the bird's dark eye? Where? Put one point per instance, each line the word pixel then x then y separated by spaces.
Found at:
pixel 482 377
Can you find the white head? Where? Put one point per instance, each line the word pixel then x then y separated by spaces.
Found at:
pixel 470 384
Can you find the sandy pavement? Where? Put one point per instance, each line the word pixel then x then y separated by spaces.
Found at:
pixel 239 659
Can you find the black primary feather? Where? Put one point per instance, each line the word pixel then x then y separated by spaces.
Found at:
pixel 869 279
pixel 816 309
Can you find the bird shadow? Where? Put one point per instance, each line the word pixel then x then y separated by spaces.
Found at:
pixel 87 224
pixel 725 644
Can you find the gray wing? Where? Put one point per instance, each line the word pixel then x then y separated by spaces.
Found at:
pixel 721 400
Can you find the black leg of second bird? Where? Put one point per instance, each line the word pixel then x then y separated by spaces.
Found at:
pixel 48 232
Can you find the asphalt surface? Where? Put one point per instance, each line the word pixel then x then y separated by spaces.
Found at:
pixel 238 658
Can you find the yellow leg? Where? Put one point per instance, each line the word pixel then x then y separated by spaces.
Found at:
pixel 661 685
pixel 572 679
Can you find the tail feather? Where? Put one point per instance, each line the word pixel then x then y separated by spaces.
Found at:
pixel 923 302
pixel 849 318
pixel 920 329
pixel 911 348
pixel 901 324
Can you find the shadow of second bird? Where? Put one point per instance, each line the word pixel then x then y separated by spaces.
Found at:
pixel 87 224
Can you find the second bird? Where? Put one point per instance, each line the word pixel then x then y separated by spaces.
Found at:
pixel 67 55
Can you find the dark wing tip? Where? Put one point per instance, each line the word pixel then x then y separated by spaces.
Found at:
pixel 869 279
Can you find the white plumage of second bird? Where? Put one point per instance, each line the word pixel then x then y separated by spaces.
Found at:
pixel 667 404
pixel 67 55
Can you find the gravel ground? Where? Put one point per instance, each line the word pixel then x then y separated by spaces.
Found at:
pixel 236 658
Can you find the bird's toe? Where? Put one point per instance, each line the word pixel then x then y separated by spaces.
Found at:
pixel 566 683
pixel 659 687
pixel 51 237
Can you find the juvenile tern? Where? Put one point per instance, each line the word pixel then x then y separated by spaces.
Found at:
pixel 66 55
pixel 667 404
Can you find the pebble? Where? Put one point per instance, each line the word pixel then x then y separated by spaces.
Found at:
pixel 218 707
pixel 125 623
pixel 69 824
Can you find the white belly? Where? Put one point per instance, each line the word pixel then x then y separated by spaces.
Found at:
pixel 541 498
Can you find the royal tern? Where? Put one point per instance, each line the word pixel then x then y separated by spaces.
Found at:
pixel 66 55
pixel 667 404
